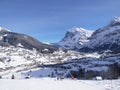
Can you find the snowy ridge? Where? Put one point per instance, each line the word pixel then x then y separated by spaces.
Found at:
pixel 0 28
pixel 106 38
pixel 75 38
pixel 101 38
pixel 4 29
pixel 8 38
pixel 80 30
pixel 115 20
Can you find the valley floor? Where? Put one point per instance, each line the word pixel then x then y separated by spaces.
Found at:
pixel 53 84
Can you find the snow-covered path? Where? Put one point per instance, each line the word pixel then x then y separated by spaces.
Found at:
pixel 47 84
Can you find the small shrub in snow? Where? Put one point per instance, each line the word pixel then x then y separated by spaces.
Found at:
pixel 27 77
pixel 13 77
pixel 0 77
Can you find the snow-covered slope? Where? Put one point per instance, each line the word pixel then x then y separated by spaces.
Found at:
pixel 105 38
pixel 52 84
pixel 30 62
pixel 75 38
pixel 18 57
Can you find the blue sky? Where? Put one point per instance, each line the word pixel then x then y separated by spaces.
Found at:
pixel 48 20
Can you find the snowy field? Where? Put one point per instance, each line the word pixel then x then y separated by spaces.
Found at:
pixel 53 84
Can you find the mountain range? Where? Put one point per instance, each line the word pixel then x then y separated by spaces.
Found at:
pixel 103 39
pixel 81 53
pixel 100 40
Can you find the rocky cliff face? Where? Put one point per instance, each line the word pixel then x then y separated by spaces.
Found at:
pixel 75 38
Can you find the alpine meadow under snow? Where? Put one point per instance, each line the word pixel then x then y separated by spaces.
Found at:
pixel 83 59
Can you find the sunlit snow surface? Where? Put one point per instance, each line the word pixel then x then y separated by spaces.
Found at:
pixel 40 81
pixel 53 84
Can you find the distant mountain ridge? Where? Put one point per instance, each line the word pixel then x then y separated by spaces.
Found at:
pixel 8 38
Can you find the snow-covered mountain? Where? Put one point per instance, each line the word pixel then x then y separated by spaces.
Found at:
pixel 75 38
pixel 105 38
pixel 8 38
pixel 22 54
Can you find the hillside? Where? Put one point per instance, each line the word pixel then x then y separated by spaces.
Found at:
pixel 9 38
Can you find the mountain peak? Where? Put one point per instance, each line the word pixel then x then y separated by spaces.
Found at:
pixel 1 28
pixel 115 21
pixel 80 31
pixel 77 29
pixel 75 37
pixel 4 29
